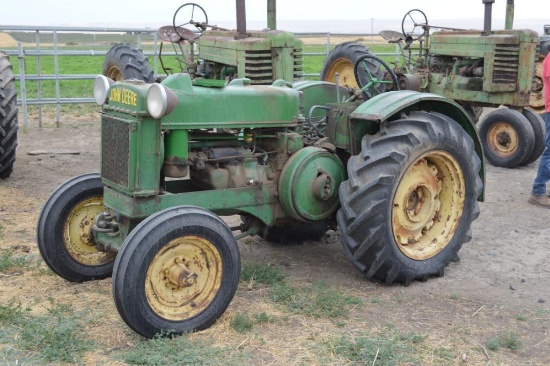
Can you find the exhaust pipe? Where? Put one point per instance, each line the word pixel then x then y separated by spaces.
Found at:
pixel 241 19
pixel 488 15
pixel 509 23
pixel 272 14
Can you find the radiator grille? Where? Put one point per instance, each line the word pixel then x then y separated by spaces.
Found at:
pixel 259 67
pixel 506 65
pixel 115 150
pixel 298 63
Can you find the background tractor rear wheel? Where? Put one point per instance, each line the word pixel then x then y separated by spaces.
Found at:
pixel 539 129
pixel 536 97
pixel 507 137
pixel 176 272
pixel 410 199
pixel 125 62
pixel 64 230
pixel 8 117
pixel 342 59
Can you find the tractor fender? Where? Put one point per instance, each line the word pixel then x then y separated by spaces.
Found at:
pixel 390 105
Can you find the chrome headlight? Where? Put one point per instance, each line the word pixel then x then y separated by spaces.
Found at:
pixel 102 85
pixel 160 100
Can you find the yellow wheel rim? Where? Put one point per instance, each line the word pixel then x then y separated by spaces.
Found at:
pixel 344 68
pixel 115 74
pixel 428 205
pixel 184 278
pixel 77 233
pixel 503 139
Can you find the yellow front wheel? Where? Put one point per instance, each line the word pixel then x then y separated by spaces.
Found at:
pixel 176 272
pixel 64 232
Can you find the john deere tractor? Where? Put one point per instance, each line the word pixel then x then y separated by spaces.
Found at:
pixel 476 68
pixel 399 174
pixel 8 117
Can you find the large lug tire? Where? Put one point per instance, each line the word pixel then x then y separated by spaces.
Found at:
pixel 539 129
pixel 176 272
pixel 342 59
pixel 507 137
pixel 410 199
pixel 125 62
pixel 8 117
pixel 64 231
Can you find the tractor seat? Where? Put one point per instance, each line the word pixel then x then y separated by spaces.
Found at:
pixel 392 36
pixel 168 34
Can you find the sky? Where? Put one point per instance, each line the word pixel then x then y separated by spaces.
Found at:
pixel 147 13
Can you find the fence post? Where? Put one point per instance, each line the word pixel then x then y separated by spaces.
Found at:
pixel 39 82
pixel 21 58
pixel 56 70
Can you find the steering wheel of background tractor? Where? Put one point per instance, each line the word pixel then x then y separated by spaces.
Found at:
pixel 412 20
pixel 365 69
pixel 185 16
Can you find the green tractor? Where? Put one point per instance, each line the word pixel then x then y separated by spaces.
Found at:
pixel 8 117
pixel 400 175
pixel 476 68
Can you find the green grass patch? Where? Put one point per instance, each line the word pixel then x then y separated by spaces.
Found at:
pixel 266 274
pixel 36 339
pixel 2 228
pixel 93 64
pixel 161 351
pixel 315 300
pixel 242 323
pixel 8 261
pixel 388 349
pixel 506 340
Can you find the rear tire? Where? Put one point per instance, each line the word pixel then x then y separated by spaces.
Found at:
pixel 342 60
pixel 410 199
pixel 8 117
pixel 125 62
pixel 507 138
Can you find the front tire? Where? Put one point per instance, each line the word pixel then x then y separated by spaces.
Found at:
pixel 176 272
pixel 539 129
pixel 64 232
pixel 410 199
pixel 507 137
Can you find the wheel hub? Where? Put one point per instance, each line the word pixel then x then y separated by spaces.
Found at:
pixel 427 205
pixel 502 139
pixel 183 278
pixel 180 275
pixel 77 233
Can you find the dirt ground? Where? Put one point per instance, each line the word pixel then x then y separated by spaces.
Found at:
pixel 501 284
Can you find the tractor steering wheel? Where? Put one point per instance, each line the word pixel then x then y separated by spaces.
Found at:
pixel 185 16
pixel 372 85
pixel 413 19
